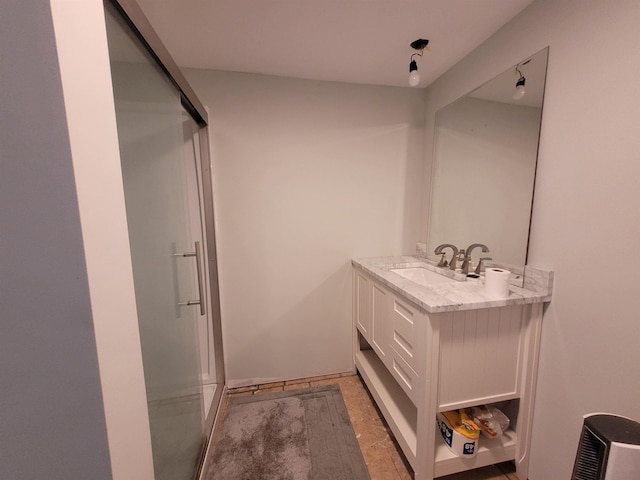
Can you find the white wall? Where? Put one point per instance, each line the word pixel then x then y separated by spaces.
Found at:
pixel 585 214
pixel 307 175
pixel 51 407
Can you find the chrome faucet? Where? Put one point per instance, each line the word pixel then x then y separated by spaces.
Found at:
pixel 439 251
pixel 467 258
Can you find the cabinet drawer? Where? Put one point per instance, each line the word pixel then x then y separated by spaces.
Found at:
pixel 406 376
pixel 404 331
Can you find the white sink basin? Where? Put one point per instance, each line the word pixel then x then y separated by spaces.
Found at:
pixel 422 276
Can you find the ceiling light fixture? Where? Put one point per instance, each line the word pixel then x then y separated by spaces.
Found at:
pixel 520 91
pixel 418 45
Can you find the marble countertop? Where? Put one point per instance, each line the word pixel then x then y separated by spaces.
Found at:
pixel 456 295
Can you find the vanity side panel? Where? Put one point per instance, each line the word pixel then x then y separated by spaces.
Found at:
pixel 528 380
pixel 480 357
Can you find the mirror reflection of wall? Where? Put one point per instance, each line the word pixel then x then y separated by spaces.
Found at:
pixel 485 151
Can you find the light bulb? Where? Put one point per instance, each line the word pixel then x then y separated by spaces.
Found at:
pixel 520 91
pixel 414 78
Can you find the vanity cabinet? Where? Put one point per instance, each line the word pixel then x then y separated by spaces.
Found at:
pixel 416 363
pixel 388 325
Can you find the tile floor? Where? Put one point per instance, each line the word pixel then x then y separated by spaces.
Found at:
pixel 382 456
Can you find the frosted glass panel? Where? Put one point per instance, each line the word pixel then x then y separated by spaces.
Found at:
pixel 158 166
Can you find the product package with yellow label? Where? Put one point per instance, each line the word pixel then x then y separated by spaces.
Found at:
pixel 459 431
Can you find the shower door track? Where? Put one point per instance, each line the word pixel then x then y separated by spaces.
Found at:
pixel 138 22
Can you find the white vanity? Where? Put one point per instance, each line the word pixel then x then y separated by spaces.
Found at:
pixel 425 349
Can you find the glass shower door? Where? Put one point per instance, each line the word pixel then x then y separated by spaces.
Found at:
pixel 158 166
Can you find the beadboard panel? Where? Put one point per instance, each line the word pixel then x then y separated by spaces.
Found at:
pixel 480 356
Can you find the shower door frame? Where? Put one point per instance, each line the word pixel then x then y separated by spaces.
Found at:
pixel 140 26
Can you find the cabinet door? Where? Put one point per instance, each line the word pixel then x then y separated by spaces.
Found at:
pixel 379 321
pixel 362 304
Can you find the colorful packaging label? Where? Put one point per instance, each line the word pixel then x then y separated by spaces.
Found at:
pixel 458 443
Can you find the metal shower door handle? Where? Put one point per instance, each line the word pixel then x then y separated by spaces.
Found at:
pixel 200 301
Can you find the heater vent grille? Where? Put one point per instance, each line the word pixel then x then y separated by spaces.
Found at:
pixel 591 459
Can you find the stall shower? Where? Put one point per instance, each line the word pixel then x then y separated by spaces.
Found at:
pixel 166 175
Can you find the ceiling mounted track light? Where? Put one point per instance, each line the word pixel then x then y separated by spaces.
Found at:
pixel 418 45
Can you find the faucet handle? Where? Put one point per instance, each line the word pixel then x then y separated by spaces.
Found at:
pixel 443 261
pixel 480 268
pixel 439 250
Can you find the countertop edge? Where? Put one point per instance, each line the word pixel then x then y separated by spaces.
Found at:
pixel 438 300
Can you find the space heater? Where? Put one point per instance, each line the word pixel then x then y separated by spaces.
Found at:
pixel 609 449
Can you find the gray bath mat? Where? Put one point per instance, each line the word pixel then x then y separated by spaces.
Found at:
pixel 296 435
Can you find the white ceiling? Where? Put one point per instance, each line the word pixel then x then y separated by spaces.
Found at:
pixel 357 41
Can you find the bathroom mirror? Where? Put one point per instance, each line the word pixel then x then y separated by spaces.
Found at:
pixel 484 164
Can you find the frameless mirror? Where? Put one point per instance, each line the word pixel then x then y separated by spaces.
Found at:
pixel 485 153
